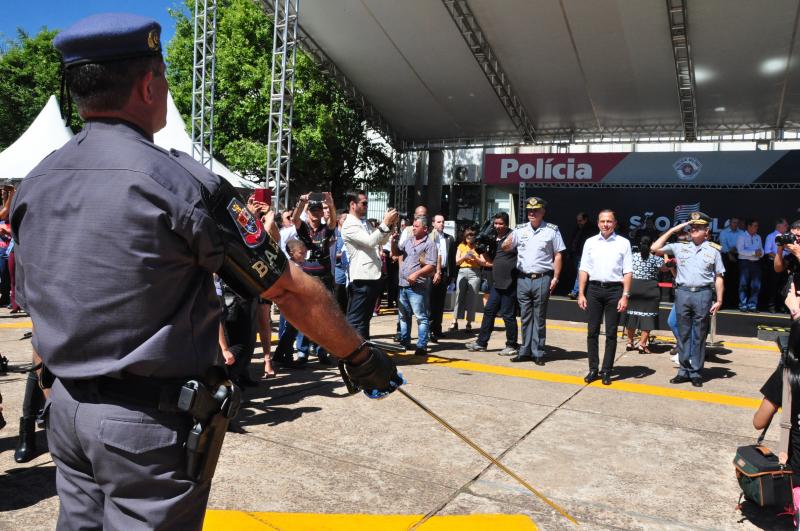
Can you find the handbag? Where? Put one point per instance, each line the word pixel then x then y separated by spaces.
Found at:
pixel 764 480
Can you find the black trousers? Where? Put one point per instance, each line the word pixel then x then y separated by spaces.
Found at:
pixel 340 294
pixel 363 294
pixel 602 303
pixel 438 294
pixel 731 279
pixel 503 301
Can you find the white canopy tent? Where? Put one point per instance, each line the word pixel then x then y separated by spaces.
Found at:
pixel 46 134
pixel 174 136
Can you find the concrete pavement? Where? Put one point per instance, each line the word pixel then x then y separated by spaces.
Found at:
pixel 639 454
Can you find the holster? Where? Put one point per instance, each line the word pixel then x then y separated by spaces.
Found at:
pixel 211 406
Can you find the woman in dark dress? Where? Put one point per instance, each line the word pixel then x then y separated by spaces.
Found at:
pixel 642 312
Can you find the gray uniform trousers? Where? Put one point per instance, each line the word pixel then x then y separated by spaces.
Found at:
pixel 691 309
pixel 120 467
pixel 533 295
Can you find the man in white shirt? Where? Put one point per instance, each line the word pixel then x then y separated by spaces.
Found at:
pixel 605 273
pixel 363 243
pixel 444 272
pixel 750 252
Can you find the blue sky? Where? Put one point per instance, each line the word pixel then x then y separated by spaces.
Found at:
pixel 33 15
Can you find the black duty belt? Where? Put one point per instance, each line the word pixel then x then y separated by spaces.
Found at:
pixel 695 288
pixel 538 275
pixel 155 393
pixel 604 284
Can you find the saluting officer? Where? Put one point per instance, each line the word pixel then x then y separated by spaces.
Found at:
pixel 539 246
pixel 699 276
pixel 124 308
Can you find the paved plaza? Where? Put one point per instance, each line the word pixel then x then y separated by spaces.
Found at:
pixel 639 454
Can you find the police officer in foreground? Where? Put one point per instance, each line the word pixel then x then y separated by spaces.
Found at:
pixel 699 278
pixel 123 304
pixel 539 246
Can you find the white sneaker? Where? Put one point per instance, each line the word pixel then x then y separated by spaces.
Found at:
pixel 674 360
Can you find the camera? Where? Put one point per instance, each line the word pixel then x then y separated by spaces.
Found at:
pixel 486 240
pixel 785 239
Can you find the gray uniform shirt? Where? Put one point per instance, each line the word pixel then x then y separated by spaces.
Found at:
pixel 115 252
pixel 536 248
pixel 698 265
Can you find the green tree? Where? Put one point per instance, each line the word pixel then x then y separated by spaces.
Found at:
pixel 331 147
pixel 30 72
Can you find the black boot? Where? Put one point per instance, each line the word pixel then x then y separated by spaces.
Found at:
pixel 26 447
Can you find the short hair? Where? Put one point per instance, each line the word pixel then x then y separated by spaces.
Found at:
pixel 291 245
pixel 503 216
pixel 422 219
pixel 439 215
pixel 107 86
pixel 582 215
pixel 750 221
pixel 778 221
pixel 609 211
pixel 352 196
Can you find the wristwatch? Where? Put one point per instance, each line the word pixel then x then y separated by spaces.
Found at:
pixel 626 293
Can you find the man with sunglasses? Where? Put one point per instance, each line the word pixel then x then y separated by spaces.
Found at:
pixel 699 276
pixel 539 246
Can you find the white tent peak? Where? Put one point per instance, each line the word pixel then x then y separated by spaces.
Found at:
pixel 46 134
pixel 174 136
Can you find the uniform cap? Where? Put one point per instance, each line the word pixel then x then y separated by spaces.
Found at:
pixel 108 37
pixel 535 203
pixel 699 218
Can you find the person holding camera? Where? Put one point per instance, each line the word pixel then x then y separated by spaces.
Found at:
pixel 468 282
pixel 503 291
pixel 539 246
pixel 787 262
pixel 698 280
pixel 363 243
pixel 773 281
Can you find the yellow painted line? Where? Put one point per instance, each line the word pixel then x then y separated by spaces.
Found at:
pixel 642 389
pixel 254 521
pixel 564 328
pixel 22 324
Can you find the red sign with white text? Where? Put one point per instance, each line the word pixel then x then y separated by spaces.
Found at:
pixel 549 168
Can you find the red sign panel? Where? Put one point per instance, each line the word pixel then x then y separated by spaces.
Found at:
pixel 549 168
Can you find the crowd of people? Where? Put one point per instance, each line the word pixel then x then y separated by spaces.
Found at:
pixel 414 264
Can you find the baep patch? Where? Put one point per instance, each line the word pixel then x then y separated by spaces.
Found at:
pixel 249 226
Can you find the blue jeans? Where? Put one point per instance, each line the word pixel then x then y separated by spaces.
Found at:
pixel 411 301
pixel 577 285
pixel 672 321
pixel 749 284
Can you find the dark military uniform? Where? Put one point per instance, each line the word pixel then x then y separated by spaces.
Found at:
pixel 115 251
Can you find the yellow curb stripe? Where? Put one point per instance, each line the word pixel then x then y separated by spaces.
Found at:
pixel 642 389
pixel 256 521
pixel 23 324
pixel 564 328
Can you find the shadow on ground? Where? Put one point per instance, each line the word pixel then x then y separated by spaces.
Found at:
pixel 25 487
pixel 765 517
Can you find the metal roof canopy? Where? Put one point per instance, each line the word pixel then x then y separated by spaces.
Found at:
pixel 452 73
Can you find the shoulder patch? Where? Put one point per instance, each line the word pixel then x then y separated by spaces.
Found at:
pixel 715 245
pixel 552 226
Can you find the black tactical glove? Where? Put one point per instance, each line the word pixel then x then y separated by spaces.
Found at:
pixel 377 376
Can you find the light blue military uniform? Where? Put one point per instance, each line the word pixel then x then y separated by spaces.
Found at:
pixel 536 250
pixel 698 267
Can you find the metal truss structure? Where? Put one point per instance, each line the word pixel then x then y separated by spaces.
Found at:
pixel 284 55
pixel 365 109
pixel 476 40
pixel 205 43
pixel 684 69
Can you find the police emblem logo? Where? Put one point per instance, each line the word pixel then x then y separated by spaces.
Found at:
pixel 695 215
pixel 687 168
pixel 249 226
pixel 153 40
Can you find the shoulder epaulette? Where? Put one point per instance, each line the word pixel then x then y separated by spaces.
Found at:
pixel 715 245
pixel 552 226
